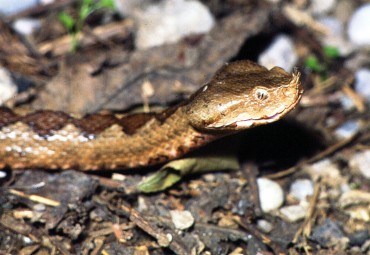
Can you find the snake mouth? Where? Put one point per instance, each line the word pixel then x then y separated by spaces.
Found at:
pixel 242 124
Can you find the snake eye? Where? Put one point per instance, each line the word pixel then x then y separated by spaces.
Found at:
pixel 261 94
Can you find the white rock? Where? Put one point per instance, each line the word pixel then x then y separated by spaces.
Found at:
pixel 356 204
pixel 335 37
pixel 12 7
pixel 7 88
pixel 327 171
pixel 354 197
pixel 345 187
pixel 274 1
pixel 26 26
pixel 358 26
pixel 142 204
pixel 264 225
pixel 43 2
pixel 320 7
pixel 334 25
pixel 301 189
pixel 271 194
pixel 128 7
pixel 361 162
pixel 280 53
pixel 294 213
pixel 347 129
pixel 345 101
pixel 39 207
pixel 362 83
pixel 2 174
pixel 182 219
pixel 170 21
pixel 27 240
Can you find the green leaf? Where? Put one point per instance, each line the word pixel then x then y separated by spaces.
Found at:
pixel 84 12
pixel 87 2
pixel 105 4
pixel 313 64
pixel 331 51
pixel 67 20
pixel 172 172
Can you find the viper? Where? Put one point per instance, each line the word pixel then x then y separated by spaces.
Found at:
pixel 241 95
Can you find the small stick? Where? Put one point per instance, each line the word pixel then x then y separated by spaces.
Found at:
pixel 249 172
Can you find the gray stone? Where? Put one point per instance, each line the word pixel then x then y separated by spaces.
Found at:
pixel 358 26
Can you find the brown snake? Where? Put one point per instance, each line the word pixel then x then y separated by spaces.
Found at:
pixel 240 95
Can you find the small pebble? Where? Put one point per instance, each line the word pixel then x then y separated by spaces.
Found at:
pixel 358 26
pixel 142 204
pixel 27 240
pixel 119 177
pixel 320 7
pixel 347 129
pixel 346 101
pixel 182 219
pixel 335 26
pixel 358 238
pixel 209 177
pixel 274 1
pixel 345 187
pixel 271 194
pixel 129 7
pixel 26 26
pixel 7 87
pixel 264 225
pixel 365 248
pixel 280 53
pixel 327 171
pixel 355 203
pixel 293 213
pixel 362 83
pixel 12 7
pixel 43 2
pixel 353 198
pixel 169 21
pixel 301 189
pixel 39 207
pixel 329 234
pixel 361 162
pixel 2 174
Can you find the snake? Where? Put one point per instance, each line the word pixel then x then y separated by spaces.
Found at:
pixel 241 95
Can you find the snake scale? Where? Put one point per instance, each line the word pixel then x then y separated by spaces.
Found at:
pixel 241 95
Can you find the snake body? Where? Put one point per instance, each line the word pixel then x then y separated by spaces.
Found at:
pixel 241 95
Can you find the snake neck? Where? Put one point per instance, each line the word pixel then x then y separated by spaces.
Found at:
pixel 129 142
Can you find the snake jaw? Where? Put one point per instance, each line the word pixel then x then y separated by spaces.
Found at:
pixel 243 124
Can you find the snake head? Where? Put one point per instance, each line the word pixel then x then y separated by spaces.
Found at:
pixel 244 94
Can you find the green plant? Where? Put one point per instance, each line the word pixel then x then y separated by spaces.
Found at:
pixel 74 24
pixel 313 63
pixel 331 52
